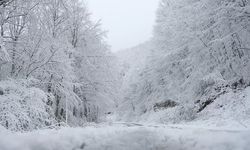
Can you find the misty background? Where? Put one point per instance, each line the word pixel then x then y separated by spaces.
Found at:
pixel 128 22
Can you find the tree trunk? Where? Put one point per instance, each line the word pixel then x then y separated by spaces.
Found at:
pixel 13 57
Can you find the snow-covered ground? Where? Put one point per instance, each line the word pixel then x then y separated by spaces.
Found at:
pixel 231 110
pixel 127 136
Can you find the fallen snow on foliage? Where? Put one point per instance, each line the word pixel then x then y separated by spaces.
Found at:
pixel 23 107
pixel 124 136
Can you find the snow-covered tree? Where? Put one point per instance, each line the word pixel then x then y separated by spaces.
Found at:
pixel 55 42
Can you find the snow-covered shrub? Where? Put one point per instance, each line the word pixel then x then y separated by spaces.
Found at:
pixel 23 107
pixel 208 81
pixel 165 105
pixel 171 115
pixel 185 113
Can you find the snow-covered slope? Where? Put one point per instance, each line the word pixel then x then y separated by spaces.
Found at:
pixel 231 110
pixel 199 64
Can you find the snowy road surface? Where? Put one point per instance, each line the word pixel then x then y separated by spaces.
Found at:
pixel 127 136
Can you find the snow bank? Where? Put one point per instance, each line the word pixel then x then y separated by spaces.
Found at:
pixel 230 110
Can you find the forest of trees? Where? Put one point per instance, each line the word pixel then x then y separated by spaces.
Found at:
pixel 55 65
pixel 200 51
pixel 185 88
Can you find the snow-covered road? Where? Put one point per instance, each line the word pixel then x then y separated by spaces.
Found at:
pixel 127 136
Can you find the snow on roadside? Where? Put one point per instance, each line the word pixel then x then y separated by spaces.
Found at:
pixel 228 111
pixel 231 110
pixel 127 137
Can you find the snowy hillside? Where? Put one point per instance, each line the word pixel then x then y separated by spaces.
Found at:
pixel 200 56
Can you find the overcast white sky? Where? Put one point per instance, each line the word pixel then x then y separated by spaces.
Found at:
pixel 129 22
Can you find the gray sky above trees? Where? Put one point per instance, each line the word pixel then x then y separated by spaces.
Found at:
pixel 129 22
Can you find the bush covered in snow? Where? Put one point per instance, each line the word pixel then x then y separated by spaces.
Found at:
pixel 23 107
